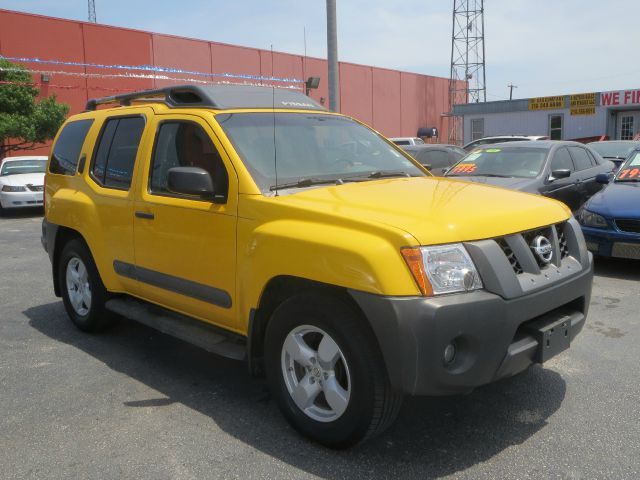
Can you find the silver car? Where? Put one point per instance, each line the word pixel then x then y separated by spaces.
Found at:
pixel 22 182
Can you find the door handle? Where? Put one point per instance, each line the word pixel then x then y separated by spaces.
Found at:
pixel 146 215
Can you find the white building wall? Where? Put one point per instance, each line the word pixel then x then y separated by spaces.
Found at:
pixel 537 123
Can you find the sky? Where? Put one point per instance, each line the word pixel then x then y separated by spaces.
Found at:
pixel 544 47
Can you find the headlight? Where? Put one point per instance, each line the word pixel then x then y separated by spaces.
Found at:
pixel 442 269
pixel 590 219
pixel 10 188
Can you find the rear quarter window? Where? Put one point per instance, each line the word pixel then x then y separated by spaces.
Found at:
pixel 64 160
pixel 116 152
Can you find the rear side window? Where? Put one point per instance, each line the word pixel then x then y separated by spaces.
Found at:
pixel 66 151
pixel 116 152
pixel 562 160
pixel 580 158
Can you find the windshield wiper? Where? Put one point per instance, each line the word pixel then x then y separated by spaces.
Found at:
pixel 491 175
pixel 627 180
pixel 388 173
pixel 307 182
pixel 380 174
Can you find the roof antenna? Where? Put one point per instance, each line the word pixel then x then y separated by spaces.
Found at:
pixel 273 107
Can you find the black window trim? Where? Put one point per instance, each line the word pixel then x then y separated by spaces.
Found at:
pixel 103 127
pixel 183 196
pixel 75 172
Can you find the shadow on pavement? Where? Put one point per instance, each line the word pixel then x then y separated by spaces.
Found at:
pixel 433 437
pixel 26 212
pixel 617 268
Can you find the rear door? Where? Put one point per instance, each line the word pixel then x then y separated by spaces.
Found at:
pixel 586 171
pixel 185 246
pixel 111 178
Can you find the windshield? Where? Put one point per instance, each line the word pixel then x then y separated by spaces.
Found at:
pixel 501 162
pixel 15 167
pixel 613 149
pixel 630 171
pixel 311 147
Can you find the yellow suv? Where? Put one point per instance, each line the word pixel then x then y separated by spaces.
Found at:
pixel 255 224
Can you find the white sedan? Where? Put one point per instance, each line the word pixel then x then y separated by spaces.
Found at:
pixel 22 182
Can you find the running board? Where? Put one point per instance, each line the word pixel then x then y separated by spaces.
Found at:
pixel 196 332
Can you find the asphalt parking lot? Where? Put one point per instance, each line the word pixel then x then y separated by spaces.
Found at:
pixel 133 403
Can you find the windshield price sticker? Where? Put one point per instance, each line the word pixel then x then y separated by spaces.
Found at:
pixel 493 150
pixel 629 173
pixel 465 168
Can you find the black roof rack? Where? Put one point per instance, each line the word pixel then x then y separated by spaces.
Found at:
pixel 219 97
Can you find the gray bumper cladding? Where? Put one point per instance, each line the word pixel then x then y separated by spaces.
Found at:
pixel 494 334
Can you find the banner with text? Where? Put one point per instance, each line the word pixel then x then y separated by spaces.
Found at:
pixel 621 98
pixel 582 104
pixel 546 103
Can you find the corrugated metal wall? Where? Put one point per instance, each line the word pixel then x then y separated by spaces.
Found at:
pixel 537 123
pixel 395 103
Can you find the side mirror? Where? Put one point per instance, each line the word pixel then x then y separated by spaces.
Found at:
pixel 602 178
pixel 190 181
pixel 557 174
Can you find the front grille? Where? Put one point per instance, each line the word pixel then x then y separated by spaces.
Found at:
pixel 564 249
pixel 528 238
pixel 36 188
pixel 627 225
pixel 515 264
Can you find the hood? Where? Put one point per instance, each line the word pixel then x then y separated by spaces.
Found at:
pixel 617 200
pixel 432 209
pixel 513 183
pixel 21 179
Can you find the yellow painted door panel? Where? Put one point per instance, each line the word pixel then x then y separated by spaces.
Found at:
pixel 185 248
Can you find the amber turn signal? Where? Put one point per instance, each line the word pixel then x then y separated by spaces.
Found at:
pixel 413 257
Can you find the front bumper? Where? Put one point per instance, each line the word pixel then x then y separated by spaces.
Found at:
pixel 492 335
pixel 603 241
pixel 21 199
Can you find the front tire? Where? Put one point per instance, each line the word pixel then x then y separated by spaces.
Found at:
pixel 326 371
pixel 83 292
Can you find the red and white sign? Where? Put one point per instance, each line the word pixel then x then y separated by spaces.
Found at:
pixel 620 98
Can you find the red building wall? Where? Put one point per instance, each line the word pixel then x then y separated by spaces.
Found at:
pixel 395 103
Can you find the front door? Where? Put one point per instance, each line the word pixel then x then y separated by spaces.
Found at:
pixel 564 189
pixel 628 125
pixel 185 247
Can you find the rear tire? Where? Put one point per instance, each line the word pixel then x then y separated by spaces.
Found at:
pixel 326 371
pixel 83 292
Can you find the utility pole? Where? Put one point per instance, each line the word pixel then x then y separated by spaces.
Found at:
pixel 511 87
pixel 92 11
pixel 467 81
pixel 332 57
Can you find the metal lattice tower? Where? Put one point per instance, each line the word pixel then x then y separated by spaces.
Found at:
pixel 92 11
pixel 467 82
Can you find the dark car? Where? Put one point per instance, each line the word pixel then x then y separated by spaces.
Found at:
pixel 483 142
pixel 610 220
pixel 562 170
pixel 615 150
pixel 437 158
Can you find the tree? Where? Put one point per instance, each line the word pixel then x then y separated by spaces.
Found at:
pixel 24 119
